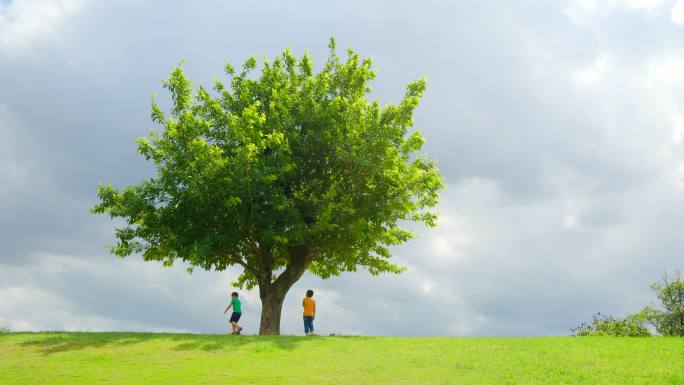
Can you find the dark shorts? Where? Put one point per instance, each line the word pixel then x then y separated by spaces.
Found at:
pixel 235 317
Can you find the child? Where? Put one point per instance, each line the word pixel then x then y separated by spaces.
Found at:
pixel 309 312
pixel 237 313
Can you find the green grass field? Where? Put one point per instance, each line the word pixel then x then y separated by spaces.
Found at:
pixel 135 358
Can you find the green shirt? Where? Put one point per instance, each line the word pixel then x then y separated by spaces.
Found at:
pixel 236 305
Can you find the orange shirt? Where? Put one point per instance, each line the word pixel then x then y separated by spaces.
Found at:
pixel 309 307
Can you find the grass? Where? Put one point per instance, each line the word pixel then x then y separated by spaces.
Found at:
pixel 140 358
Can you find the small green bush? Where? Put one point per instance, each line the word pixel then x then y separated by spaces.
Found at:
pixel 604 325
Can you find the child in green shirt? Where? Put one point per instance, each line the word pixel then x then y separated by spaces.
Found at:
pixel 237 313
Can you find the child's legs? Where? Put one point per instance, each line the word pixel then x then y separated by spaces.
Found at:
pixel 308 325
pixel 234 318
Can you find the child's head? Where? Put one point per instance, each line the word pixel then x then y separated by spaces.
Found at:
pixel 309 293
pixel 234 294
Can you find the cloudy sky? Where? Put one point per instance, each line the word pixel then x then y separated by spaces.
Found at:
pixel 558 125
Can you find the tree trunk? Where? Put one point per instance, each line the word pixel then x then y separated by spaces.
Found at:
pixel 273 293
pixel 271 306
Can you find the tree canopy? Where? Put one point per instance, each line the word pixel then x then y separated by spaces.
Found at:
pixel 281 173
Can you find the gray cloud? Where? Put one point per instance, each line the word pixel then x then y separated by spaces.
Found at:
pixel 555 124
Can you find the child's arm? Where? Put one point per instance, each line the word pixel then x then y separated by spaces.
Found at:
pixel 314 310
pixel 229 305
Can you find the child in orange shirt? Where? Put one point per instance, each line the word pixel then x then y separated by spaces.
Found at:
pixel 309 312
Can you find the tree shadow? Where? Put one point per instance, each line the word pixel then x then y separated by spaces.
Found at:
pixel 59 342
pixel 227 342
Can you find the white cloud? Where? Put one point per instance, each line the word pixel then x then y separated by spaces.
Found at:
pixel 593 73
pixel 644 5
pixel 677 14
pixel 24 22
pixel 678 130
pixel 44 298
pixel 585 12
pixel 449 243
pixel 570 220
pixel 667 71
pixel 41 310
pixel 679 178
pixel 590 7
pixel 427 287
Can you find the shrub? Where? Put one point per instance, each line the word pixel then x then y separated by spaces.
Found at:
pixel 668 318
pixel 604 325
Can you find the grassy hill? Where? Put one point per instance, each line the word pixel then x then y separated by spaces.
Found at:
pixel 138 358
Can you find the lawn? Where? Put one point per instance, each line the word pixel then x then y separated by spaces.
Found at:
pixel 138 358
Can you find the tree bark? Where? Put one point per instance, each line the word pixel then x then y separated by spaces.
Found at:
pixel 271 306
pixel 273 293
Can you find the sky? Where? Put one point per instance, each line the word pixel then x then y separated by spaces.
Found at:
pixel 558 126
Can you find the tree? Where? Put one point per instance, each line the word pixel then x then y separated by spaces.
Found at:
pixel 668 318
pixel 292 171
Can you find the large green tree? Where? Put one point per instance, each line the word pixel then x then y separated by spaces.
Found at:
pixel 281 173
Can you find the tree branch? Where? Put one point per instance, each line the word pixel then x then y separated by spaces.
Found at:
pixel 237 259
pixel 300 259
